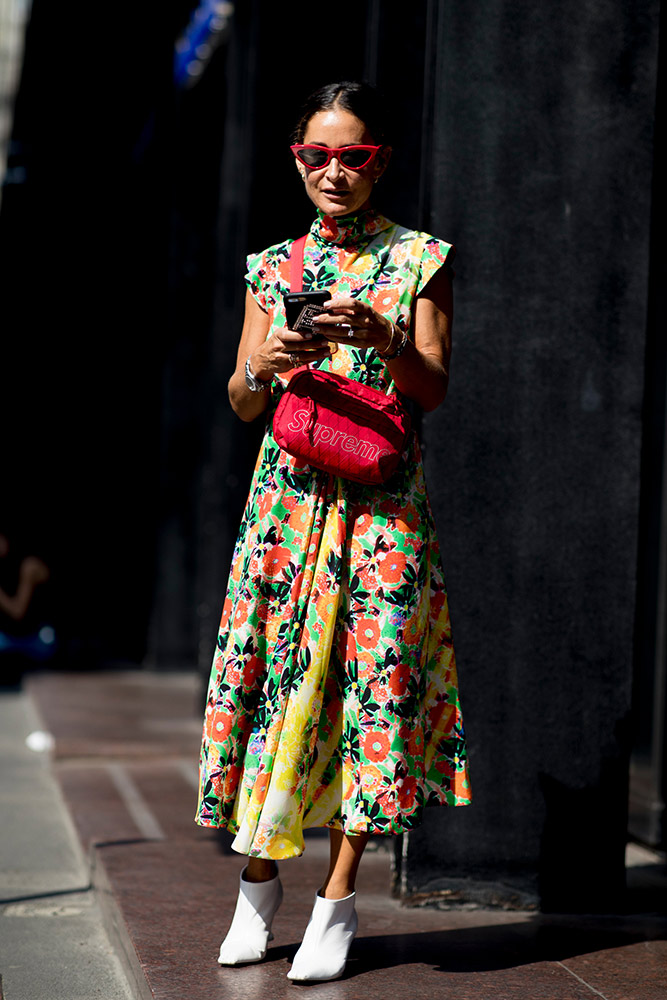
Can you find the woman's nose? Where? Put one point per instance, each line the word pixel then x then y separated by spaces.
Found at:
pixel 334 168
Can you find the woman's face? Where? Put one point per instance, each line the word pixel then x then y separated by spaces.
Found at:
pixel 335 189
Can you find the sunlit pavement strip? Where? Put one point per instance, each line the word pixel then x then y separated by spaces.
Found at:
pixel 582 981
pixel 190 772
pixel 52 941
pixel 135 803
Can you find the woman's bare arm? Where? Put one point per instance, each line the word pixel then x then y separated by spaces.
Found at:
pixel 422 370
pixel 245 403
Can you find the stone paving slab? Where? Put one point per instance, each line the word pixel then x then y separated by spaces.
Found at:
pixel 53 942
pixel 172 886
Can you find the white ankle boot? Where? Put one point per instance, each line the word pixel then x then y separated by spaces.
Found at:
pixel 250 931
pixel 329 934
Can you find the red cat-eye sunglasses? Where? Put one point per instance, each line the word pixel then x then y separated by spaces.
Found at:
pixel 352 157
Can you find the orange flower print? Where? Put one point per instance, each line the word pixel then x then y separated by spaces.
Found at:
pixel 296 587
pixel 220 725
pixel 398 682
pixel 410 519
pixel 283 270
pixel 265 503
pixel 362 523
pixel 406 793
pixel 437 604
pixel 442 717
pixel 299 517
pixel 272 629
pixel 261 785
pixel 231 779
pixel 416 741
pixel 367 573
pixel 371 779
pixel 367 633
pixel 233 674
pixel 413 633
pixel 366 665
pixel 376 745
pixel 386 299
pixel 252 670
pixel 349 788
pixel 275 561
pixel 392 566
pixel 241 614
pixel 288 502
pixel 388 802
pixel 342 362
pixel 226 612
pixel 380 692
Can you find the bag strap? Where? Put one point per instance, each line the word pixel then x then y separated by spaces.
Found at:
pixel 296 267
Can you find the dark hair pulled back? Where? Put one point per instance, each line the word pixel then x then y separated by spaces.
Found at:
pixel 360 99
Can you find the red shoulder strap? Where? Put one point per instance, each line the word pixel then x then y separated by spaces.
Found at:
pixel 296 269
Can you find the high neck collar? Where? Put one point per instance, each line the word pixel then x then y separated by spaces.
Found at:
pixel 349 231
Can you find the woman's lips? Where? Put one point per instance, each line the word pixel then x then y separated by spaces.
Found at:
pixel 336 194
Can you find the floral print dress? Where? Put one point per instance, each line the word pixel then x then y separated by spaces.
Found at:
pixel 333 696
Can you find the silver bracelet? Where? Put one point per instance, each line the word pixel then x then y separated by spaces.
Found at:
pixel 388 353
pixel 253 383
pixel 399 350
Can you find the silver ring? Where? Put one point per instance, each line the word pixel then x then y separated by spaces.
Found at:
pixel 350 331
pixel 294 359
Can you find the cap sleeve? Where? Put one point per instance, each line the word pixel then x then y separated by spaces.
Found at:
pixel 256 277
pixel 436 254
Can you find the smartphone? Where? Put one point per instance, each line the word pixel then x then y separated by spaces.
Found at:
pixel 301 308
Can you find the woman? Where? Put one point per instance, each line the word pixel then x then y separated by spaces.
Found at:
pixel 333 698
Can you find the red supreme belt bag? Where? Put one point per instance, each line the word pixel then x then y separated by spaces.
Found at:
pixel 341 426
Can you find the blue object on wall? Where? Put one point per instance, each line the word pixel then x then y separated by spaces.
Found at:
pixel 209 26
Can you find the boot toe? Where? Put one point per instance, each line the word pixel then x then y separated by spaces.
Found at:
pixel 303 974
pixel 237 952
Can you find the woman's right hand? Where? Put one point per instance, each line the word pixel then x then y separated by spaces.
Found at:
pixel 285 350
pixel 269 356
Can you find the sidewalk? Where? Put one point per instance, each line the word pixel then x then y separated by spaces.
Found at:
pixel 52 938
pixel 126 746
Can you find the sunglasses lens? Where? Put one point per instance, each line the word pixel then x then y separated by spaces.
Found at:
pixel 314 158
pixel 354 158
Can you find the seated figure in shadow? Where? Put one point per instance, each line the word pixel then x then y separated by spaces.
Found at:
pixel 26 637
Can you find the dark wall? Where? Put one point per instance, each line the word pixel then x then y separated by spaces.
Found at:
pixel 83 263
pixel 107 257
pixel 542 173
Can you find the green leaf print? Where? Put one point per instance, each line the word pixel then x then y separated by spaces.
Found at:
pixel 357 592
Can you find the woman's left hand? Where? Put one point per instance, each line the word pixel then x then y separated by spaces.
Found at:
pixel 349 321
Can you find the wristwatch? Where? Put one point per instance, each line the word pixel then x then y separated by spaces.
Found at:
pixel 254 384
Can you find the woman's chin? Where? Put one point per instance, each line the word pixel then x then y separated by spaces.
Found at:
pixel 335 207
